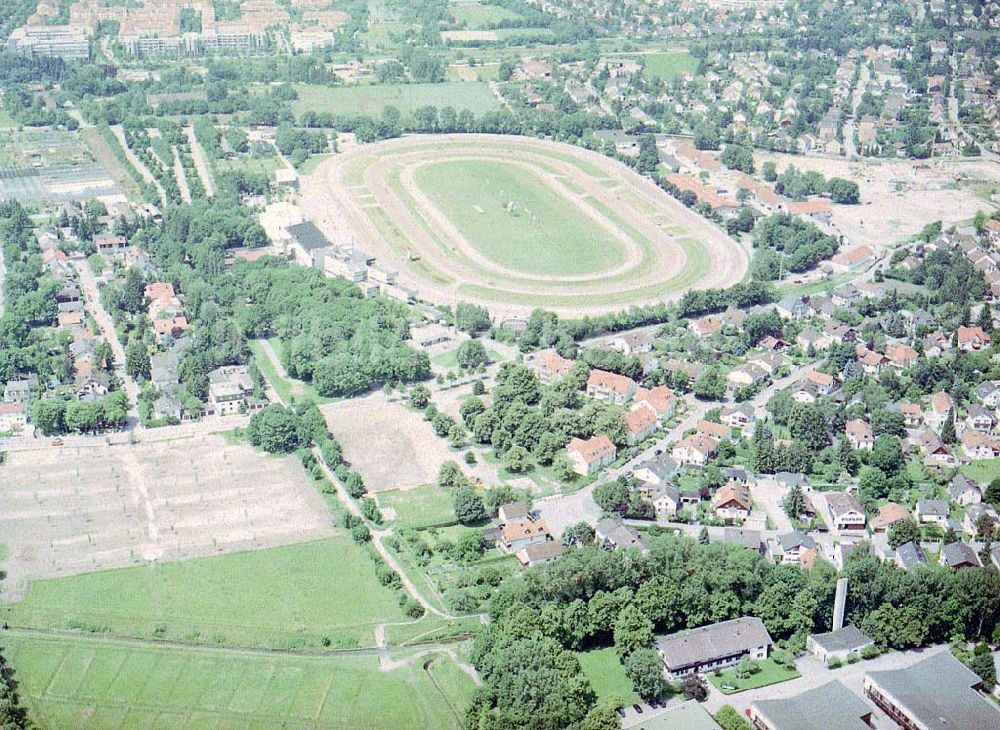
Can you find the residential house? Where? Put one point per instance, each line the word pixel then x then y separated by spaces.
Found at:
pixel 806 392
pixel 695 450
pixel 976 445
pixel 666 500
pixel 513 513
pixel 167 406
pixel 705 326
pixel 656 471
pixel 640 424
pixel 716 646
pixel 612 534
pixel 746 375
pixel 845 512
pixel 958 555
pixel 913 415
pixel 901 355
pixel 732 503
pixel 934 511
pixel 963 491
pixel 21 390
pixel 937 692
pixel 909 555
pixel 840 644
pixel 549 366
pixel 936 453
pixel 610 387
pixel 794 548
pixel 972 338
pixel 516 536
pixel 539 553
pixel 888 515
pixel 740 416
pixel 980 418
pixel 13 417
pixel 717 431
pixel 871 362
pixel 169 327
pixel 826 706
pixel 768 361
pixel 811 337
pixel 988 393
pixel 793 307
pixel 825 383
pixel 853 258
pixel 591 455
pixel 661 400
pixel 860 434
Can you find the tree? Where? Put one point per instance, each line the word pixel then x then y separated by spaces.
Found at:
pixel 603 717
pixel 578 535
pixel 471 318
pixel 982 664
pixel 468 506
pixel 729 719
pixel 694 687
pixel 633 631
pixel 844 192
pixel 49 416
pixel 992 493
pixel 649 157
pixel 645 669
pixel 137 363
pixel 703 538
pixel 471 354
pixel 948 429
pixel 887 455
pixel 710 385
pixel 450 475
pixel 903 532
pixel 517 460
pixel 769 171
pixel 276 430
pixel 795 502
pixel 420 396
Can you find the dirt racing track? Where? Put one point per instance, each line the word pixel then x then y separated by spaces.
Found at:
pixel 604 237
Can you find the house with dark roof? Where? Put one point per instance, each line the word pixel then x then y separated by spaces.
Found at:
pixel 712 647
pixel 612 534
pixel 963 491
pixel 936 693
pixel 790 547
pixel 909 555
pixel 840 644
pixel 957 555
pixel 831 705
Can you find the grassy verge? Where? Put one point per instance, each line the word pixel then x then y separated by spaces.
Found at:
pixel 431 628
pixel 607 675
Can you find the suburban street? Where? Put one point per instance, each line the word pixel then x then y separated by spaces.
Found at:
pixel 92 299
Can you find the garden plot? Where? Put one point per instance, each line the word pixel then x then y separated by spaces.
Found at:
pixel 84 509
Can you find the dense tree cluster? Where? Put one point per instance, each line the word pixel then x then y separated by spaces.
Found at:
pixel 786 243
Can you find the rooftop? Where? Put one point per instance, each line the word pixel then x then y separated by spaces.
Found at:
pixel 849 638
pixel 715 641
pixel 816 709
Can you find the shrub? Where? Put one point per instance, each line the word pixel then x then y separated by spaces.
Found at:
pixel 834 663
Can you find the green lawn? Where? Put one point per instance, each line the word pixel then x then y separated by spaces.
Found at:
pixel 287 389
pixel 266 165
pixel 481 17
pixel 282 597
pixel 449 359
pixel 667 66
pixel 513 218
pixel 607 675
pixel 983 472
pixel 419 507
pixel 372 99
pixel 770 673
pixel 90 683
pixel 312 162
pixel 431 628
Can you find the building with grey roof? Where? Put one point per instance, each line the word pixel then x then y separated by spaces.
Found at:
pixel 936 693
pixel 712 647
pixel 689 716
pixel 959 555
pixel 909 555
pixel 839 644
pixel 613 535
pixel 830 705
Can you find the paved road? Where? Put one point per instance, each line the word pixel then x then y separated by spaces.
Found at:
pixel 92 298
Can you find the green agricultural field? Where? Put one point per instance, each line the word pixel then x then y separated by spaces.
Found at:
pixel 607 675
pixel 667 66
pixel 85 683
pixel 372 99
pixel 516 220
pixel 282 597
pixel 481 17
pixel 420 507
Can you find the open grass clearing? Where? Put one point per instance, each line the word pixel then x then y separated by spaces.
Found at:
pixel 769 674
pixel 480 17
pixel 93 684
pixel 668 66
pixel 285 597
pixel 607 675
pixel 288 389
pixel 515 219
pixel 983 472
pixel 249 165
pixel 423 506
pixel 430 629
pixel 372 99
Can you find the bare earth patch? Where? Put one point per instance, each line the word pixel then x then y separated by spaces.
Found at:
pixel 390 445
pixel 75 510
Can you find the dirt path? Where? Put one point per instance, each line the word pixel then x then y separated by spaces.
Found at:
pixel 449 261
pixel 201 162
pixel 272 356
pixel 138 164
pixel 181 177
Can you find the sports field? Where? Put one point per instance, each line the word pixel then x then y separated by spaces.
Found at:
pixel 98 684
pixel 283 597
pixel 371 99
pixel 516 223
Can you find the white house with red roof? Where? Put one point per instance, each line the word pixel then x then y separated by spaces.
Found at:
pixel 610 387
pixel 590 455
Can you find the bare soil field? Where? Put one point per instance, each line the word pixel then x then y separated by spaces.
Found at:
pixel 663 248
pixel 75 510
pixel 899 198
pixel 390 445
